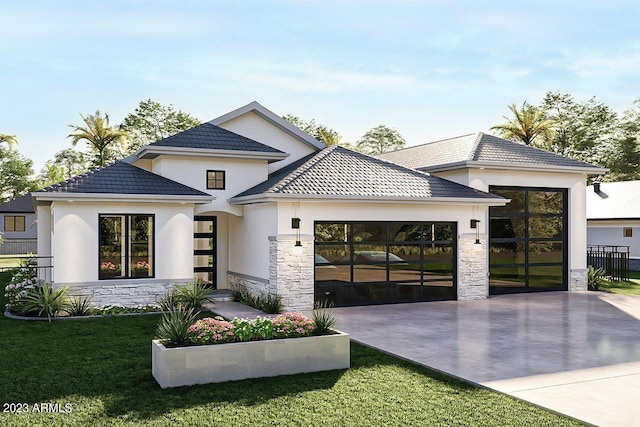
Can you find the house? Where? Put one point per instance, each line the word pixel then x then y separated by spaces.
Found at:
pixel 613 217
pixel 18 226
pixel 249 201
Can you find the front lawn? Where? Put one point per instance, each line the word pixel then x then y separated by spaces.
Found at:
pixel 102 368
pixel 632 287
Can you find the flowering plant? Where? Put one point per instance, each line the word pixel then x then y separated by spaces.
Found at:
pixel 209 330
pixel 21 283
pixel 109 266
pixel 140 265
pixel 292 325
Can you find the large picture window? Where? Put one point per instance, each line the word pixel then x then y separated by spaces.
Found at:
pixel 528 240
pixel 126 246
pixel 380 262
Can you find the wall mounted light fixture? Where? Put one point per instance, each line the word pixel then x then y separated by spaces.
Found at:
pixel 474 224
pixel 295 224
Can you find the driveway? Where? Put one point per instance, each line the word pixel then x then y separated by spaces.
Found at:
pixel 575 353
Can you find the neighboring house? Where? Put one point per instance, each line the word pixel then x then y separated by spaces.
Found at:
pixel 18 226
pixel 613 217
pixel 250 201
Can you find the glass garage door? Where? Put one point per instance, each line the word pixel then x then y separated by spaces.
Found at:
pixel 359 263
pixel 528 240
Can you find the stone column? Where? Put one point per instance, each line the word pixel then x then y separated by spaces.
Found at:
pixel 291 271
pixel 473 277
pixel 578 279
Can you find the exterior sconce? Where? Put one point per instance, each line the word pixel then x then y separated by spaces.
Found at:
pixel 474 224
pixel 295 224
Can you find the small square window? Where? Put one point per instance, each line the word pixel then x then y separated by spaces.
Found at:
pixel 627 232
pixel 14 223
pixel 215 180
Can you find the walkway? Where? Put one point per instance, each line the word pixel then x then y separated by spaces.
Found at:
pixel 575 353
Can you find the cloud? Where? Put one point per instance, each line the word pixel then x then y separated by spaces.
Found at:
pixel 609 65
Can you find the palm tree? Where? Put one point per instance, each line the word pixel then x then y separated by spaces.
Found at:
pixel 10 140
pixel 529 125
pixel 328 136
pixel 100 137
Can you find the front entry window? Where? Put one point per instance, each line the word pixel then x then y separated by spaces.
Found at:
pixel 126 246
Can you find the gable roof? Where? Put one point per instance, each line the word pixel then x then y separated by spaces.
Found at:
pixel 209 138
pixel 615 200
pixel 337 172
pixel 272 118
pixel 482 150
pixel 23 204
pixel 122 178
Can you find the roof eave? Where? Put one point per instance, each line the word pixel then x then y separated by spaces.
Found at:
pixel 473 164
pixel 274 197
pixel 44 196
pixel 151 152
pixel 272 118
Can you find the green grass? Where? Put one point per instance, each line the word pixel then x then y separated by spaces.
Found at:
pixel 634 274
pixel 632 287
pixel 103 368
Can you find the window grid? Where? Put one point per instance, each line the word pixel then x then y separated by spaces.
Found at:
pixel 215 180
pixel 14 223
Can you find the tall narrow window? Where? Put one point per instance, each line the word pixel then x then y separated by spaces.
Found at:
pixel 126 246
pixel 215 180
pixel 14 223
pixel 627 232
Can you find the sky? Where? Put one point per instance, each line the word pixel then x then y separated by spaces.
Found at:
pixel 430 69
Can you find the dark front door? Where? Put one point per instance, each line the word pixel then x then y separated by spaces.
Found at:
pixel 528 240
pixel 204 253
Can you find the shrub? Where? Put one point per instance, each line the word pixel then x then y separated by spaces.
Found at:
pixel 79 306
pixel 269 303
pixel 323 318
pixel 260 328
pixel 168 301
pixel 44 300
pixel 596 277
pixel 292 325
pixel 192 295
pixel 173 327
pixel 211 331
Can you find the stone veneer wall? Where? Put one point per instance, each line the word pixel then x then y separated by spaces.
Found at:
pixel 255 285
pixel 128 293
pixel 473 277
pixel 578 280
pixel 291 271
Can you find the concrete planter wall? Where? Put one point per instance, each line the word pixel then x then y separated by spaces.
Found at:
pixel 180 366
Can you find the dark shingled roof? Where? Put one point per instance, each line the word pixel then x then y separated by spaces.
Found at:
pixel 338 171
pixel 22 204
pixel 478 147
pixel 212 137
pixel 123 178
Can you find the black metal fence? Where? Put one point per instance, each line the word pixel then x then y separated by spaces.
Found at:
pixel 41 265
pixel 613 259
pixel 18 246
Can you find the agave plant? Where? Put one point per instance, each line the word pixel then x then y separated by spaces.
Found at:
pixel 596 277
pixel 44 300
pixel 192 295
pixel 174 325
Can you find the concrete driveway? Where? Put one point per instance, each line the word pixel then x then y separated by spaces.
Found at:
pixel 575 353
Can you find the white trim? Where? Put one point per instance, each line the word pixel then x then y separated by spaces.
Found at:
pixel 150 152
pixel 474 164
pixel 261 198
pixel 272 118
pixel 109 197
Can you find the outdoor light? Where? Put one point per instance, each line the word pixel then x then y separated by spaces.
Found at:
pixel 474 224
pixel 295 224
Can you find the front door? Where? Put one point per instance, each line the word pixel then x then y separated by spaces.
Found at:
pixel 204 253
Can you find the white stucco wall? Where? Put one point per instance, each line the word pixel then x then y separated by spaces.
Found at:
pixel 240 175
pixel 482 179
pixel 255 127
pixel 249 240
pixel 75 239
pixel 611 233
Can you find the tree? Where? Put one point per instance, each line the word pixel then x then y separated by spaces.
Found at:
pixel 10 140
pixel 151 122
pixel 380 140
pixel 583 130
pixel 104 141
pixel 15 172
pixel 529 125
pixel 73 162
pixel 321 132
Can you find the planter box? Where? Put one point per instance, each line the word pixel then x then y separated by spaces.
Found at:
pixel 180 366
